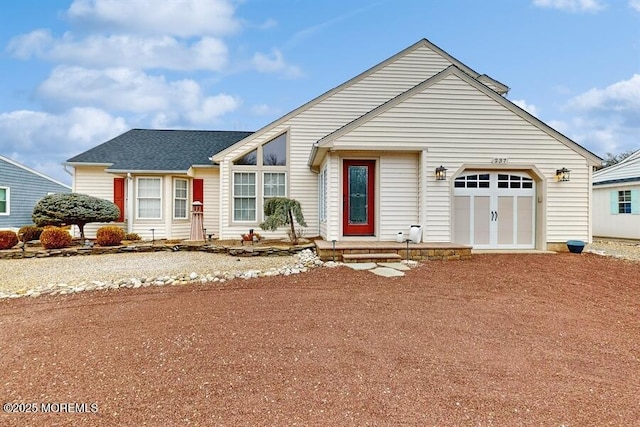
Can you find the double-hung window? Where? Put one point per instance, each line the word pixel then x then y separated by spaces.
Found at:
pixel 244 196
pixel 180 198
pixel 149 198
pixel 624 201
pixel 4 201
pixel 259 175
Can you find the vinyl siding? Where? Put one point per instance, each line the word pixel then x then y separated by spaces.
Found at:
pixel 606 224
pixel 211 216
pixel 98 183
pixel 398 194
pixel 320 118
pixel 25 189
pixel 458 125
pixel 629 168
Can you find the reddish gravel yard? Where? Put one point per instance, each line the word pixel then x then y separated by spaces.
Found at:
pixel 545 340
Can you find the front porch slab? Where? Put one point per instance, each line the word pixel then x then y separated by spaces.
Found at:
pixel 334 251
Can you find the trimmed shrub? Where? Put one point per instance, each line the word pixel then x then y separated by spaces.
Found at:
pixel 8 239
pixel 55 238
pixel 109 235
pixel 131 236
pixel 29 232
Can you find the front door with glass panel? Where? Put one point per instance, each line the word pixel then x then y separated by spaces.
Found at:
pixel 495 210
pixel 358 197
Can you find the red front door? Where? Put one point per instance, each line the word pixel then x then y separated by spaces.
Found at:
pixel 358 201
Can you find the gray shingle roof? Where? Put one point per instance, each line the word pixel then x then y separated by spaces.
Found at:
pixel 161 150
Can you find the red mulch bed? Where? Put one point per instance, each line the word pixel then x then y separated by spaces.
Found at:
pixel 498 340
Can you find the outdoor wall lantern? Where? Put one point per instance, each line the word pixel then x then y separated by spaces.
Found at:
pixel 563 175
pixel 441 173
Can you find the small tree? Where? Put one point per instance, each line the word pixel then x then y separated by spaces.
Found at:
pixel 73 209
pixel 281 211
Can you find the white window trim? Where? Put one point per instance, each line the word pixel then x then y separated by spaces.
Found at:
pixel 625 202
pixel 8 201
pixel 233 196
pixel 138 197
pixel 175 199
pixel 259 169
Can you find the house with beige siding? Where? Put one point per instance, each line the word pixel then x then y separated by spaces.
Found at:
pixel 420 139
pixel 616 199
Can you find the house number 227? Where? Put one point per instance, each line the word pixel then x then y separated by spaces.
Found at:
pixel 499 160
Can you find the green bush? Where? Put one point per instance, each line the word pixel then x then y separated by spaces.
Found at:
pixel 131 236
pixel 8 239
pixel 109 235
pixel 55 238
pixel 29 232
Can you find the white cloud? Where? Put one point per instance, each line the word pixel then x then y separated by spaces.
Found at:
pixel 275 64
pixel 634 4
pixel 182 18
pixel 529 108
pixel 213 107
pixel 572 5
pixel 623 96
pixel 32 44
pixel 43 141
pixel 126 90
pixel 607 119
pixel 123 51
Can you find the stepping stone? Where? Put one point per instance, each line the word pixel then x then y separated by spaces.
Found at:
pixel 395 265
pixel 387 272
pixel 361 265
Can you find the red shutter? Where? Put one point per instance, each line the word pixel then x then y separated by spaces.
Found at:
pixel 198 190
pixel 118 196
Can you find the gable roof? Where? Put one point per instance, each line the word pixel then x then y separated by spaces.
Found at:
pixel 33 171
pixel 326 142
pixel 499 87
pixel 627 170
pixel 158 150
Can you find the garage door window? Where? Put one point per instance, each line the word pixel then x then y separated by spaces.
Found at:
pixel 473 181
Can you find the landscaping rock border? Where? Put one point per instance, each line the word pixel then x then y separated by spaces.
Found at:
pixel 305 259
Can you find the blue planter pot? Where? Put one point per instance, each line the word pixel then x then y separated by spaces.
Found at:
pixel 575 246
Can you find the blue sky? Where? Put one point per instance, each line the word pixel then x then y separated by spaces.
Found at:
pixel 79 72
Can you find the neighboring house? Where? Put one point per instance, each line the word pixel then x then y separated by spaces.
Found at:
pixel 20 190
pixel 362 161
pixel 616 199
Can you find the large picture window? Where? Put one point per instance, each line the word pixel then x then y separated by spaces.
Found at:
pixel 244 196
pixel 180 198
pixel 4 201
pixel 149 198
pixel 274 152
pixel 258 176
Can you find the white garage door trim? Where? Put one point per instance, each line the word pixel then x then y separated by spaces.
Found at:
pixel 495 210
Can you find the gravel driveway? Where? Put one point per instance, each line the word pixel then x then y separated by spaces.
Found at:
pixel 509 339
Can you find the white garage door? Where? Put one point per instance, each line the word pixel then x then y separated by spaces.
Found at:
pixel 495 210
